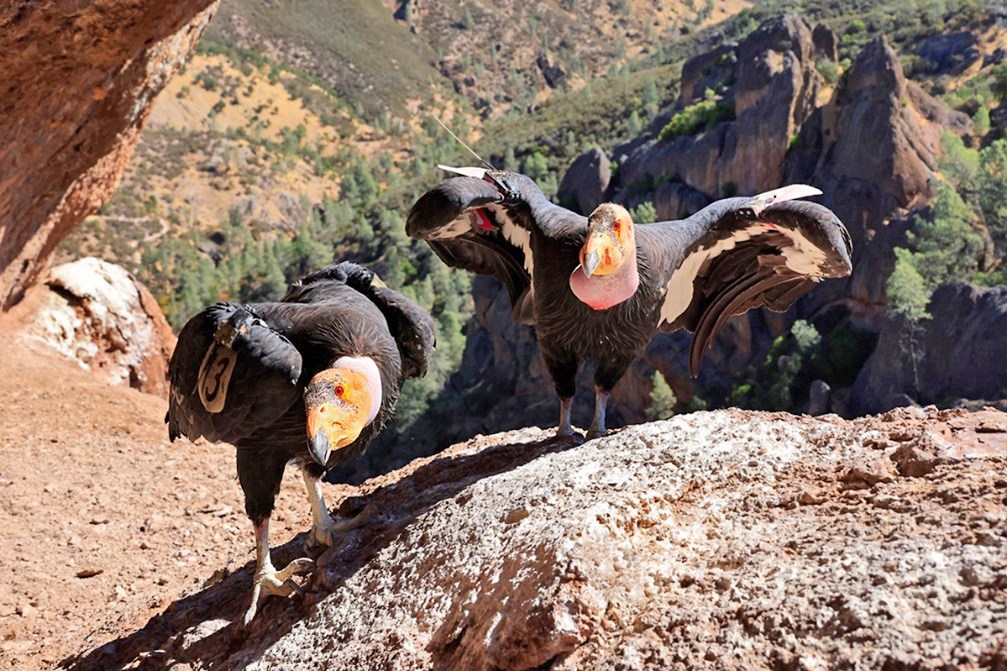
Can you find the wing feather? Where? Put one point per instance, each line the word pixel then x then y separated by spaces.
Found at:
pixel 485 225
pixel 742 253
pixel 231 374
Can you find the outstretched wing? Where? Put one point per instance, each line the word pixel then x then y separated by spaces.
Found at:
pixel 231 374
pixel 410 325
pixel 743 253
pixel 483 222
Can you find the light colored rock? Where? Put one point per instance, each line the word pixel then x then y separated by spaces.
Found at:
pixel 717 540
pixel 99 315
pixel 674 544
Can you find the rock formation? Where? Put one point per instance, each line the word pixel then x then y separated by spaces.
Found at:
pixel 770 83
pixel 79 79
pixel 585 183
pixel 723 540
pixel 99 315
pixel 960 352
pixel 870 144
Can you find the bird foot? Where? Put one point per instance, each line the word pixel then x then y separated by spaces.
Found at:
pixel 325 533
pixel 270 582
pixel 595 433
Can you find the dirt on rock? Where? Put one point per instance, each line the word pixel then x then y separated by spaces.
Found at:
pixel 105 523
pixel 726 539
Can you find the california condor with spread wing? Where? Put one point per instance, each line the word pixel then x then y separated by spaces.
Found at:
pixel 599 287
pixel 309 379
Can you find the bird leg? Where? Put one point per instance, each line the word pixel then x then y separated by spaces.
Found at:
pixel 565 426
pixel 597 429
pixel 268 581
pixel 324 528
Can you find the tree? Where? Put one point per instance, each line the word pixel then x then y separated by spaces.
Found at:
pixel 998 83
pixel 981 121
pixel 958 162
pixel 662 398
pixel 947 246
pixel 906 290
pixel 992 185
pixel 467 21
pixel 651 96
pixel 633 125
pixel 645 212
pixel 509 161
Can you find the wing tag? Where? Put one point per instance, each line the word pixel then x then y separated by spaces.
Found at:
pixel 215 376
pixel 478 173
pixel 790 192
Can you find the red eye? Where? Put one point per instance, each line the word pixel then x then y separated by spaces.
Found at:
pixel 617 226
pixel 339 390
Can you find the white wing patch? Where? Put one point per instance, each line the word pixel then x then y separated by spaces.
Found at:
pixel 478 173
pixel 803 258
pixel 521 238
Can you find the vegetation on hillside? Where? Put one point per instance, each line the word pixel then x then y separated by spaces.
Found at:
pixel 307 161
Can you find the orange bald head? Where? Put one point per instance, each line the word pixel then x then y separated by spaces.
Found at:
pixel 339 402
pixel 610 240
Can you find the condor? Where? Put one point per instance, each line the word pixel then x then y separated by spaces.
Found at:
pixel 599 287
pixel 309 379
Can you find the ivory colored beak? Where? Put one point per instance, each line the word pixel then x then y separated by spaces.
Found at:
pixel 319 448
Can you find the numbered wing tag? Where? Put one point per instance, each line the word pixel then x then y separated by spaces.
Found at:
pixel 214 377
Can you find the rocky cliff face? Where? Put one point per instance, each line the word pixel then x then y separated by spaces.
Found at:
pixel 960 352
pixel 79 79
pixel 870 143
pixel 100 316
pixel 723 540
pixel 770 85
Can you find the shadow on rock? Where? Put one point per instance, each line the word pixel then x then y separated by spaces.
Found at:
pixel 204 629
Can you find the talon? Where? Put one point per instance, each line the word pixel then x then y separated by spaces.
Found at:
pixel 326 531
pixel 270 582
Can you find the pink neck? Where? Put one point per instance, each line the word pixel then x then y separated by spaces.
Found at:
pixel 603 291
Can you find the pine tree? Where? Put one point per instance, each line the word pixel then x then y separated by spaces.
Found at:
pixel 509 161
pixel 981 121
pixel 633 125
pixel 662 398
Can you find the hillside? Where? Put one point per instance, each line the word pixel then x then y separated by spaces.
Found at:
pixel 270 156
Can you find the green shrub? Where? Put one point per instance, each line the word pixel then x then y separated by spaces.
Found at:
pixel 702 115
pixel 828 69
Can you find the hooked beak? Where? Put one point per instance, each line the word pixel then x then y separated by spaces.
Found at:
pixel 590 262
pixel 319 448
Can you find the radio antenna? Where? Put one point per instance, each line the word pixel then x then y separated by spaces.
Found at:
pixel 470 150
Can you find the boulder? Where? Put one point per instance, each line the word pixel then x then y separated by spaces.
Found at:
pixel 950 53
pixel 708 70
pixel 960 352
pixel 718 540
pixel 770 81
pixel 826 43
pixel 79 79
pixel 676 200
pixel 102 317
pixel 586 181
